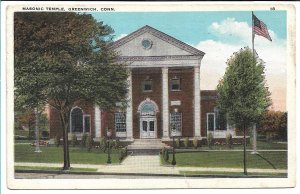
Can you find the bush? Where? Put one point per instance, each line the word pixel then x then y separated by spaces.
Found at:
pixel 177 142
pixel 57 140
pixel 186 142
pixel 229 140
pixel 84 140
pixel 74 140
pixel 123 154
pixel 210 139
pixel 45 134
pixel 166 155
pixel 89 142
pixel 195 143
pixel 31 134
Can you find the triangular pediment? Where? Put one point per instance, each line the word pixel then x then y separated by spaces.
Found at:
pixel 161 44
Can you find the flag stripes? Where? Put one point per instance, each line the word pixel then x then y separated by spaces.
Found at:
pixel 260 28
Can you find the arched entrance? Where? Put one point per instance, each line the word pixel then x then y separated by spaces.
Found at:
pixel 148 121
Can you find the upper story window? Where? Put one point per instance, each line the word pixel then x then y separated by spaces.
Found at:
pixel 175 83
pixel 147 85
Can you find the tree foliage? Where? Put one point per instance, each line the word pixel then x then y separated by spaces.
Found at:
pixel 242 93
pixel 62 58
pixel 274 122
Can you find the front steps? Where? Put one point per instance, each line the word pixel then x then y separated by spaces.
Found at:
pixel 146 146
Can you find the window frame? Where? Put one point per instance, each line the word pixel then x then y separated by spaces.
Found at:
pixel 178 131
pixel 144 84
pixel 121 123
pixel 175 78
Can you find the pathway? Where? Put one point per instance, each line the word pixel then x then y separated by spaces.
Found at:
pixel 149 164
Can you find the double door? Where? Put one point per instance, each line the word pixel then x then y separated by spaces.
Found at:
pixel 148 127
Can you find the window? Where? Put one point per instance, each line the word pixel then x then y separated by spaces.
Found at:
pixel 76 120
pixel 175 84
pixel 175 121
pixel 87 123
pixel 210 121
pixel 221 123
pixel 120 122
pixel 147 85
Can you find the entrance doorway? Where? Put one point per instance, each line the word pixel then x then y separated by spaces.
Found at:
pixel 148 122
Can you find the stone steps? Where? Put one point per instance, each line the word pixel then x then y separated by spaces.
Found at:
pixel 145 146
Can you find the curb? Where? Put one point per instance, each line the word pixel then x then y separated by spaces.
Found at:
pixel 146 174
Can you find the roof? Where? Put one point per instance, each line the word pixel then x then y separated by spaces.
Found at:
pixel 160 35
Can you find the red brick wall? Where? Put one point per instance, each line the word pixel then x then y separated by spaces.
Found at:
pixel 208 102
pixel 138 96
pixel 55 124
pixel 186 96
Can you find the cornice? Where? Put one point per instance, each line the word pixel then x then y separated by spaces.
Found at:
pixel 160 35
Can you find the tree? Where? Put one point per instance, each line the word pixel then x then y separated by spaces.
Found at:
pixel 62 58
pixel 273 123
pixel 242 92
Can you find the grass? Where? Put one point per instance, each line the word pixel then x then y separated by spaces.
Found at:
pixel 231 173
pixel 261 145
pixel 55 169
pixel 265 160
pixel 25 153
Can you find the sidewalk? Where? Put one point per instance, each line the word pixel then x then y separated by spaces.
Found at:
pixel 148 165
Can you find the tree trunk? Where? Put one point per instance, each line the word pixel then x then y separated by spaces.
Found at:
pixel 65 142
pixel 245 157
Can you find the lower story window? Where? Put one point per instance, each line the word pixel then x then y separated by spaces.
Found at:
pixel 211 121
pixel 120 122
pixel 175 121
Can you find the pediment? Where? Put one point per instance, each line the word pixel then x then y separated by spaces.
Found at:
pixel 137 44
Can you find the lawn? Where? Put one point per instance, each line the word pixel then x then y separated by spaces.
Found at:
pixel 261 145
pixel 234 159
pixel 25 153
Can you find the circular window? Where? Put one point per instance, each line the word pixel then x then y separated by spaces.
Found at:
pixel 147 44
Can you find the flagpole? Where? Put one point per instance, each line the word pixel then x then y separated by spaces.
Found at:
pixel 253 36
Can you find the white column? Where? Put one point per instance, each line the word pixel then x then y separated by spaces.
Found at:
pixel 97 121
pixel 165 102
pixel 197 111
pixel 129 133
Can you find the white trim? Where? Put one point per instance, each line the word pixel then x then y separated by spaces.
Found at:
pixel 97 121
pixel 70 118
pixel 129 128
pixel 197 113
pixel 207 131
pixel 165 102
pixel 148 134
pixel 147 101
pixel 84 129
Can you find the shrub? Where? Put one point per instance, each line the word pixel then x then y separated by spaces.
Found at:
pixel 186 142
pixel 84 140
pixel 177 142
pixel 112 144
pixel 229 140
pixel 103 144
pixel 166 155
pixel 74 140
pixel 123 154
pixel 210 140
pixel 162 152
pixel 195 142
pixel 57 140
pixel 31 134
pixel 89 142
pixel 45 134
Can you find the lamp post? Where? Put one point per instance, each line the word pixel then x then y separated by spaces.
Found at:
pixel 173 133
pixel 108 152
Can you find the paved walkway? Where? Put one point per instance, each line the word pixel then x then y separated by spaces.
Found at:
pixel 149 164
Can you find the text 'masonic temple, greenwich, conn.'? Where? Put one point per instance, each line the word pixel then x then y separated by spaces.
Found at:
pixel 164 92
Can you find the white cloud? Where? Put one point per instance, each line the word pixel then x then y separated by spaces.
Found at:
pixel 119 37
pixel 234 35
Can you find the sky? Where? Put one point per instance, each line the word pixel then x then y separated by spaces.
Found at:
pixel 219 35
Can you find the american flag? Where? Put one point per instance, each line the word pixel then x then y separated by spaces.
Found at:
pixel 260 28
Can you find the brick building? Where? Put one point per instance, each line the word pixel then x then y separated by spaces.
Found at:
pixel 164 91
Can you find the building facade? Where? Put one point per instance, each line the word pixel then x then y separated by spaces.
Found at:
pixel 164 94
